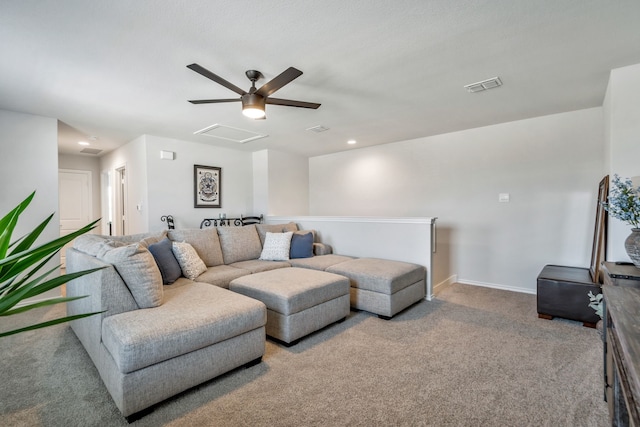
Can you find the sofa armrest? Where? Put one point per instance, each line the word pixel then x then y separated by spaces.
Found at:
pixel 105 290
pixel 322 249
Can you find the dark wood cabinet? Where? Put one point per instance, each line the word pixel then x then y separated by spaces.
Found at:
pixel 622 343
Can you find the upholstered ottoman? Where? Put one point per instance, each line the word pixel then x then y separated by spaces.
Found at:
pixel 381 286
pixel 299 301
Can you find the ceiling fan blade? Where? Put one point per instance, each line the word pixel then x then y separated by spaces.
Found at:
pixel 280 80
pixel 213 101
pixel 208 74
pixel 291 103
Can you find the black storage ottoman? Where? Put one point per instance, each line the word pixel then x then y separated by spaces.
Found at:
pixel 563 292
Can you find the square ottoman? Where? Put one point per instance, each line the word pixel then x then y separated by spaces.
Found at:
pixel 564 292
pixel 299 300
pixel 382 286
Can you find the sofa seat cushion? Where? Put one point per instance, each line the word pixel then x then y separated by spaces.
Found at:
pixel 291 290
pixel 321 262
pixel 221 275
pixel 258 265
pixel 380 275
pixel 193 316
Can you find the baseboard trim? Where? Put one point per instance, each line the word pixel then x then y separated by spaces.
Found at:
pixel 445 284
pixel 496 286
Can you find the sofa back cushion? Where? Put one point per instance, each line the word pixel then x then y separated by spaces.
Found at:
pixel 145 239
pixel 274 228
pixel 205 241
pixel 239 243
pixel 138 270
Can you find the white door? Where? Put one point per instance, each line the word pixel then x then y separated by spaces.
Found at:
pixel 74 200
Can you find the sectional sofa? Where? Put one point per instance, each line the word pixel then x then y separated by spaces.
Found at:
pixel 169 322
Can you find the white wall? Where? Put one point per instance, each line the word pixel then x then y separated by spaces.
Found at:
pixel 622 133
pixel 132 156
pixel 261 182
pixel 85 163
pixel 171 187
pixel 29 156
pixel 280 183
pixel 288 184
pixel 549 165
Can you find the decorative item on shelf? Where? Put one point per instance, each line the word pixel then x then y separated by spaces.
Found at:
pixel 169 220
pixel 595 302
pixel 624 204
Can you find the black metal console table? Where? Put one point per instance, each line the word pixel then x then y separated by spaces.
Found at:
pixel 243 220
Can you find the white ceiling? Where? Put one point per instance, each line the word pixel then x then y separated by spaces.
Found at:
pixel 383 70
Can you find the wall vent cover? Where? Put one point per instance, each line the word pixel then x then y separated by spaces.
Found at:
pixel 229 133
pixel 484 85
pixel 90 151
pixel 318 129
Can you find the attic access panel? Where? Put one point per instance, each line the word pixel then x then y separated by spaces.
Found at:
pixel 229 133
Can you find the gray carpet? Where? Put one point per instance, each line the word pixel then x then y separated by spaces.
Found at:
pixel 473 357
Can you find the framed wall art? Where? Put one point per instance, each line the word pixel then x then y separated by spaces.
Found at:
pixel 207 184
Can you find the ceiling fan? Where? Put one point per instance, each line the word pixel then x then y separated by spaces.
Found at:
pixel 253 102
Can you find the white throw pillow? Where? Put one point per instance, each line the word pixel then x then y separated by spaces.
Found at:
pixel 276 246
pixel 190 263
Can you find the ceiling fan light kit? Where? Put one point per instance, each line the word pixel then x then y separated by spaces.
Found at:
pixel 254 101
pixel 253 106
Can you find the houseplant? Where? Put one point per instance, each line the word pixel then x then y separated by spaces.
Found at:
pixel 21 265
pixel 624 204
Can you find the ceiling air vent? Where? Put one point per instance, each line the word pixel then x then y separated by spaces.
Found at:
pixel 484 85
pixel 229 133
pixel 90 151
pixel 318 129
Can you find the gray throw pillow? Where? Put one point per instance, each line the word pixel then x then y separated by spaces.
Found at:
pixel 139 271
pixel 166 261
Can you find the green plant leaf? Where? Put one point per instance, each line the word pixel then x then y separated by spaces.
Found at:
pixel 48 323
pixel 32 288
pixel 20 276
pixel 19 262
pixel 43 303
pixel 8 224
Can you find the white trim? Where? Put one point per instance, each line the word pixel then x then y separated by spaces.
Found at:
pixel 394 220
pixel 445 284
pixel 496 286
pixel 361 241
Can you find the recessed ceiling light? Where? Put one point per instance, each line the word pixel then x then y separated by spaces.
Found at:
pixel 83 143
pixel 351 141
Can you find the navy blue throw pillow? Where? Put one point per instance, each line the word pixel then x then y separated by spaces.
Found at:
pixel 167 262
pixel 301 245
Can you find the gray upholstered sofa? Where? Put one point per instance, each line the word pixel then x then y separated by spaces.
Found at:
pixel 161 333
